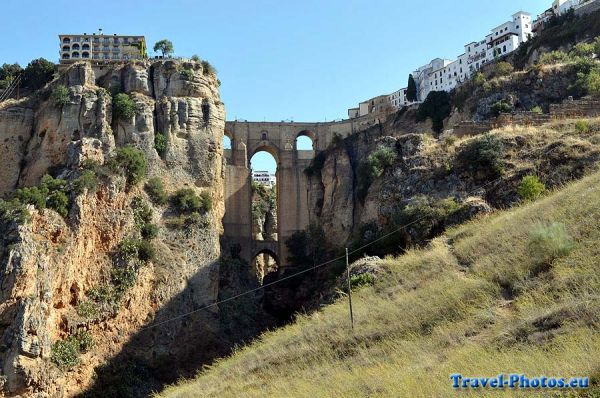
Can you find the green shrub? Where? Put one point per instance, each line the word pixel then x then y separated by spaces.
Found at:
pixel 478 80
pixel 437 107
pixel 425 215
pixel 530 188
pixel 597 45
pixel 537 109
pixel 131 161
pixel 156 190
pixel 501 106
pixel 360 280
pixel 187 74
pixel 65 353
pixel 86 181
pixel 60 96
pixel 186 200
pixel 160 143
pixel 101 294
pixel 146 251
pixel 87 309
pixel 373 168
pixel 582 126
pixel 35 196
pixel 593 83
pixel 149 231
pixel 583 50
pixel 501 68
pixel 483 155
pixel 196 58
pixel 548 243
pixel 207 68
pixel 123 107
pixel 554 57
pixel 13 210
pixel 59 202
pixel 84 340
pixel 142 213
pixel 122 278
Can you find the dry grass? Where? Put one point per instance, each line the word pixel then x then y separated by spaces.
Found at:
pixel 471 303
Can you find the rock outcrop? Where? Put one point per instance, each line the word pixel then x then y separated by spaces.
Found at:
pixel 48 265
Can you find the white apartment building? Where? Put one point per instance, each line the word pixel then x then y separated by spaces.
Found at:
pixel 100 47
pixel 507 37
pixel 398 98
pixel 264 178
pixel 430 77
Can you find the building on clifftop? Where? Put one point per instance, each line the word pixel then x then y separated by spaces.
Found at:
pixel 101 48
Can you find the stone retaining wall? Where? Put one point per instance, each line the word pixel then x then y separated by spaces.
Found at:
pixel 567 109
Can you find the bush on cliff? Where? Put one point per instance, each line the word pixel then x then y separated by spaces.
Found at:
pixel 160 143
pixel 60 95
pixel 186 200
pixel 123 107
pixel 483 155
pixel 156 190
pixel 530 188
pixel 131 162
pixel 373 168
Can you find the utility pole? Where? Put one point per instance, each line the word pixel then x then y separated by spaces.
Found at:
pixel 349 290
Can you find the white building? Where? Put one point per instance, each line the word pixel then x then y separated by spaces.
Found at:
pixel 507 37
pixel 100 47
pixel 560 7
pixel 264 178
pixel 430 77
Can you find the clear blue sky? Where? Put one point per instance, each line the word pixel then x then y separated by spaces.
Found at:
pixel 305 60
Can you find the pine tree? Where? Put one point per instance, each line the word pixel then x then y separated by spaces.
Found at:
pixel 411 91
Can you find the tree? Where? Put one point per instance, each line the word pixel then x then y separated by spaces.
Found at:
pixel 39 72
pixel 411 91
pixel 437 107
pixel 164 46
pixel 123 107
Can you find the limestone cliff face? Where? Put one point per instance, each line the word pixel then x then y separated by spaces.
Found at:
pixel 426 168
pixel 49 263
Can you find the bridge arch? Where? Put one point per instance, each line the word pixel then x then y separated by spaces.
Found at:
pixel 264 262
pixel 265 146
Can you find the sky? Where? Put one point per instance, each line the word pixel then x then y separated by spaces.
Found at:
pixel 301 60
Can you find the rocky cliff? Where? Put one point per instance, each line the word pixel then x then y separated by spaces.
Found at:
pixel 386 176
pixel 54 269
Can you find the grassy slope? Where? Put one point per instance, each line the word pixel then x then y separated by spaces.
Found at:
pixel 469 303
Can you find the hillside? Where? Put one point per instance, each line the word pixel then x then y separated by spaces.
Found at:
pixel 509 291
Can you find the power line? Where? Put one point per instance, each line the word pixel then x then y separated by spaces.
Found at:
pixel 216 303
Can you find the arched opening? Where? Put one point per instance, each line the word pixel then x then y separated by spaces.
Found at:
pixel 66 48
pixel 85 54
pixel 227 145
pixel 66 40
pixel 264 263
pixel 75 46
pixel 75 54
pixel 85 47
pixel 263 171
pixel 66 56
pixel 305 144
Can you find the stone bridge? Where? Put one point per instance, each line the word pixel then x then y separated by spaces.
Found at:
pixel 278 139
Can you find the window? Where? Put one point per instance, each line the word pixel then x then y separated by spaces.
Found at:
pixel 517 26
pixel 504 49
